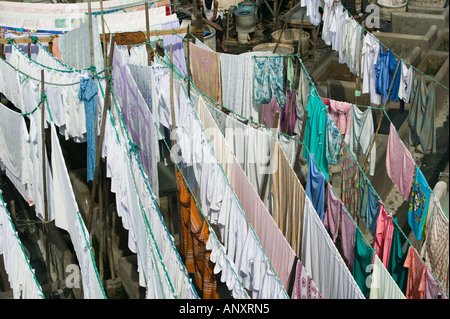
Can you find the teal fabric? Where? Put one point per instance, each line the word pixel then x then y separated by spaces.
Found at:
pixel 316 132
pixel 418 206
pixel 363 258
pixel 269 73
pixel 397 259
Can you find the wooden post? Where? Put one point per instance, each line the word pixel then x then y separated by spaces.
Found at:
pixel 12 204
pixel 29 50
pixel 299 47
pixel 147 44
pixel 91 40
pixel 174 132
pixel 358 79
pixel 109 226
pixel 284 26
pixel 302 135
pixel 266 176
pixel 102 132
pixel 382 114
pixel 197 20
pixel 105 61
pixel 44 183
pixel 100 227
pixel 188 62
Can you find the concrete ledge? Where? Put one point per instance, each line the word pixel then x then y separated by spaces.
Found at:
pixel 130 277
pixel 416 23
pixel 395 41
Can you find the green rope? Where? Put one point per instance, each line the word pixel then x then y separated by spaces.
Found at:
pixel 398 57
pixel 134 147
pixel 229 183
pixel 11 41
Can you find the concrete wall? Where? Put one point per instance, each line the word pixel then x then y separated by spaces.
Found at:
pixel 403 44
pixel 408 22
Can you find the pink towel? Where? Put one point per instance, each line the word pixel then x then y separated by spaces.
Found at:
pixel 400 165
pixel 333 212
pixel 383 236
pixel 341 114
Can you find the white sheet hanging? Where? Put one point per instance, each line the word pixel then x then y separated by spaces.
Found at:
pixel 21 276
pixel 323 261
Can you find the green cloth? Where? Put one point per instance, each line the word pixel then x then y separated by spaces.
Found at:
pixel 290 73
pixel 363 258
pixel 363 196
pixel 422 117
pixel 316 132
pixel 397 259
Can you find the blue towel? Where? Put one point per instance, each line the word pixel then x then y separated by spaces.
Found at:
pixel 315 187
pixel 88 93
pixel 418 206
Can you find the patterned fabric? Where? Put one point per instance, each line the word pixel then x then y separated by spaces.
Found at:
pixel 135 112
pixel 305 288
pixel 206 74
pixel 334 141
pixel 269 73
pixel 237 84
pixel 350 182
pixel 435 246
pixel 415 287
pixel 341 113
pixel 418 206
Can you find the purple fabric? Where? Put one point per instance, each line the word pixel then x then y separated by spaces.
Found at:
pixel 179 58
pixel 135 112
pixel 305 287
pixel 332 213
pixel 431 286
pixel 285 118
pixel 348 229
pixel 268 112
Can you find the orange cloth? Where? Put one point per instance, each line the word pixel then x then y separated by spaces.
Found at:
pixel 55 49
pixel 416 275
pixel 195 234
pixel 186 243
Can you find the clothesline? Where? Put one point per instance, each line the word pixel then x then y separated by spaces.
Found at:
pixel 45 82
pixel 133 149
pixel 379 199
pixel 138 4
pixel 351 155
pixel 398 57
pixel 226 177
